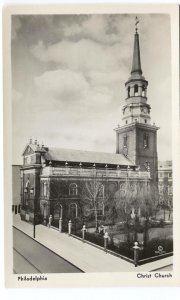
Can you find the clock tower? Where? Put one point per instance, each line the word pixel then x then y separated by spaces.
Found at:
pixel 136 138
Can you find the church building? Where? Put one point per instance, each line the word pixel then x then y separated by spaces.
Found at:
pixel 52 179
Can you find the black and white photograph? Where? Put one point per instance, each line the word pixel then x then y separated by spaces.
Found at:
pixel 92 167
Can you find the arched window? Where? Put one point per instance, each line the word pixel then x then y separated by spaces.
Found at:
pixel 170 190
pixel 44 189
pixel 44 210
pixel 146 140
pixel 128 91
pixel 73 189
pixel 57 212
pixel 125 141
pixel 27 183
pixel 123 189
pixel 101 191
pixel 143 91
pixel 27 192
pixel 136 90
pixel 72 211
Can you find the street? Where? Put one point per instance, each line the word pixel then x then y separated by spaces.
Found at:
pixel 29 256
pixel 164 269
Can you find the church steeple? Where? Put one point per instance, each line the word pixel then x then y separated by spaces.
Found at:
pixel 136 108
pixel 136 63
pixel 136 138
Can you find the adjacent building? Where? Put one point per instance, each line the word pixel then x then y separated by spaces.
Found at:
pixel 16 185
pixel 165 183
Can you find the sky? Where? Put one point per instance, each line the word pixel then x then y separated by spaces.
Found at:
pixel 68 76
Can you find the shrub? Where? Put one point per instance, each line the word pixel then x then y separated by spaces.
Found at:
pixel 78 233
pixel 95 238
pixel 152 247
pixel 123 248
pixel 161 224
pixel 140 228
pixel 126 249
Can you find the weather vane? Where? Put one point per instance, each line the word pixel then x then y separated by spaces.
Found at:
pixel 136 23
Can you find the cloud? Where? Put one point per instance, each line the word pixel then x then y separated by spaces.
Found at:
pixel 106 78
pixel 69 91
pixel 82 55
pixel 61 83
pixel 101 28
pixel 95 27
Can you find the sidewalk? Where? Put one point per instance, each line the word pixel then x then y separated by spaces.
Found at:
pixel 86 257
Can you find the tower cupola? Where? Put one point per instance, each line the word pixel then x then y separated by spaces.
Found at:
pixel 136 108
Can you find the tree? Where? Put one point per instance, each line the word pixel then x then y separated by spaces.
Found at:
pixel 165 196
pixel 134 200
pixel 147 201
pixel 124 204
pixel 92 197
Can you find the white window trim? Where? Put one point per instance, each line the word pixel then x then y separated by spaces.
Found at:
pixel 71 188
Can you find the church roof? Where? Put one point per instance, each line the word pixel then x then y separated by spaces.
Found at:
pixel 60 154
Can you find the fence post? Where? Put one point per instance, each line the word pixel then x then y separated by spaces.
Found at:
pixel 69 227
pixel 60 225
pixel 83 232
pixel 50 221
pixel 105 241
pixel 136 253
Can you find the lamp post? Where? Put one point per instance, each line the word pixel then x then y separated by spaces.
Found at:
pixel 44 215
pixel 30 191
pixel 106 236
pixel 25 196
pixel 126 207
pixel 126 191
pixel 134 217
pixel 34 221
pixel 147 213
